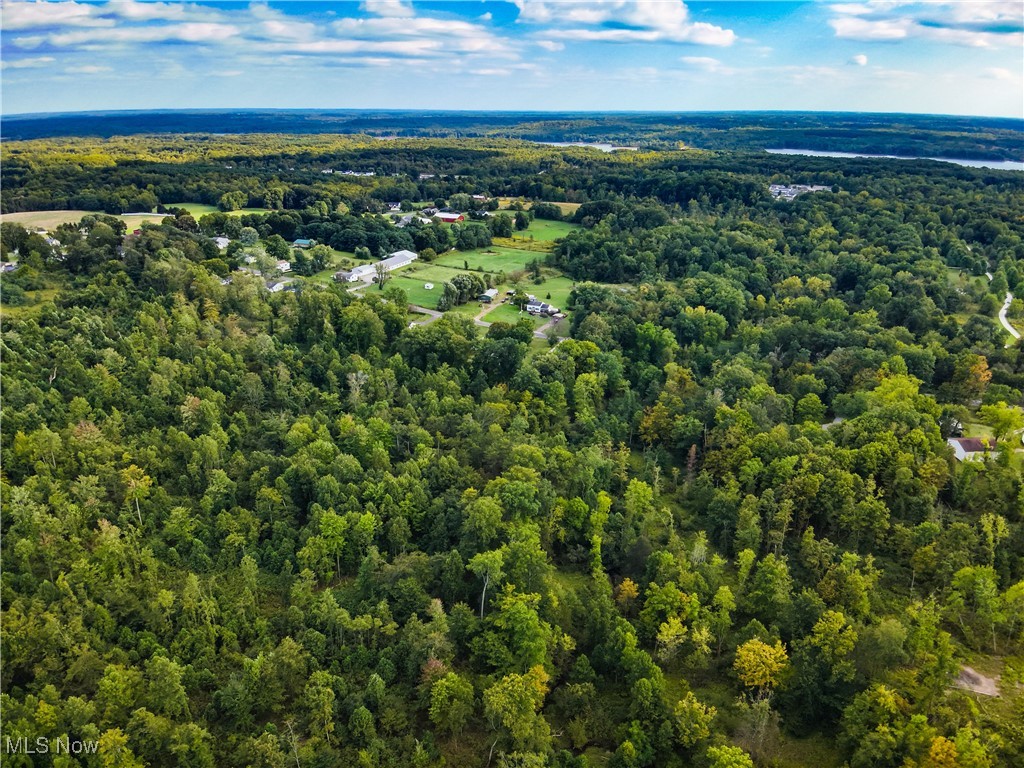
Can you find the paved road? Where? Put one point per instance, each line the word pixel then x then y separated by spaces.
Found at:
pixel 432 314
pixel 1002 314
pixel 1006 323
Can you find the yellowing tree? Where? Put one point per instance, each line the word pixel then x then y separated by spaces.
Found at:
pixel 759 666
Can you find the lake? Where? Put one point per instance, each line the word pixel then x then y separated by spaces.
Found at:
pixel 1001 165
pixel 604 147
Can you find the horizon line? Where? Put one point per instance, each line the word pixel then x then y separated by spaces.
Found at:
pixel 401 110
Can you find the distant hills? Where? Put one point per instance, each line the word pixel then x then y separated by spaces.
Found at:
pixel 979 138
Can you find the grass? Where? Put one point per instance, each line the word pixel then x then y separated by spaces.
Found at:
pixel 36 301
pixel 494 259
pixel 542 229
pixel 567 208
pixel 558 287
pixel 45 219
pixel 415 291
pixel 201 209
pixel 507 313
pixel 960 278
pixel 50 220
pixel 430 273
pixel 326 275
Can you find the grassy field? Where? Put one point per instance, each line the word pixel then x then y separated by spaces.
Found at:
pixel 50 220
pixel 36 301
pixel 507 313
pixel 558 287
pixel 414 289
pixel 200 209
pixel 542 229
pixel 45 219
pixel 567 208
pixel 960 278
pixel 494 259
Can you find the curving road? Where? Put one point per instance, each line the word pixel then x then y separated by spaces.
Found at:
pixel 1002 314
pixel 1006 324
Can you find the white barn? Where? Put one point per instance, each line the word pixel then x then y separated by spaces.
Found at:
pixel 394 261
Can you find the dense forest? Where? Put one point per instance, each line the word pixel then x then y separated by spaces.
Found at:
pixel 719 525
pixel 903 135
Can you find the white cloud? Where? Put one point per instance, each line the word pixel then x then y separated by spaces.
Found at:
pixel 860 60
pixel 392 8
pixel 44 14
pixel 87 69
pixel 622 21
pixel 443 35
pixel 975 23
pixel 550 45
pixel 191 32
pixel 277 29
pixel 857 28
pixel 121 27
pixel 136 11
pixel 998 73
pixel 32 63
pixel 707 64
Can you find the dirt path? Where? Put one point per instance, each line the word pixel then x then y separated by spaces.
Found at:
pixel 971 680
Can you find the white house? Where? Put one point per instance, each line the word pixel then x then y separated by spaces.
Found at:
pixel 221 242
pixel 284 266
pixel 535 307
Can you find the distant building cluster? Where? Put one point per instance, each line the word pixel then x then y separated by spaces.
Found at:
pixel 349 173
pixel 793 191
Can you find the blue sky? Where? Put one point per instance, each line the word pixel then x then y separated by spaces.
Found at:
pixel 963 57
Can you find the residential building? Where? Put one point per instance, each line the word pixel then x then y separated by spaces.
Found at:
pixel 535 307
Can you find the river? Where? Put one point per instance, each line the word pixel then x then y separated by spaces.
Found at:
pixel 1001 165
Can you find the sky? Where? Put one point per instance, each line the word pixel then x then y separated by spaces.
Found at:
pixel 963 58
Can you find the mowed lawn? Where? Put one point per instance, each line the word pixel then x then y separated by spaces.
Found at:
pixel 509 313
pixel 542 229
pixel 50 220
pixel 414 290
pixel 494 259
pixel 200 209
pixel 43 219
pixel 558 288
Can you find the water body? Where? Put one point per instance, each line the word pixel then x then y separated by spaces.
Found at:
pixel 1001 165
pixel 600 145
